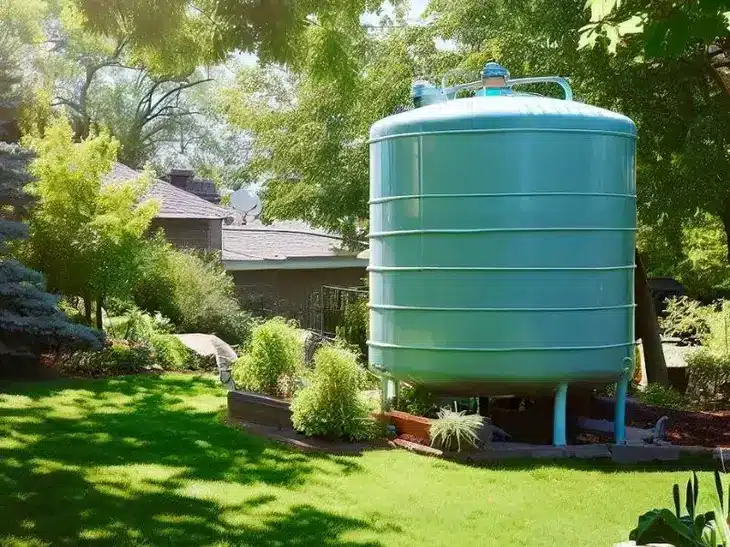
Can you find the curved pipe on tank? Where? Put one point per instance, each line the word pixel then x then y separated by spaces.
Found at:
pixel 451 92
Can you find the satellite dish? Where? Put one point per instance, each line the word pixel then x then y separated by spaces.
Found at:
pixel 246 202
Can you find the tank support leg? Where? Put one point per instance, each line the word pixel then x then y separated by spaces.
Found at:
pixel 390 392
pixel 622 389
pixel 559 410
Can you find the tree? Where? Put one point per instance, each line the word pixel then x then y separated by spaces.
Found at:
pixel 9 80
pixel 684 50
pixel 141 111
pixel 87 237
pixel 310 128
pixel 99 84
pixel 174 36
pixel 30 320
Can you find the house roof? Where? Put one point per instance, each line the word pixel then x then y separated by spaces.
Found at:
pixel 284 245
pixel 174 202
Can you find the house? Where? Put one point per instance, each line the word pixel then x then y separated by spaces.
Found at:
pixel 277 269
pixel 188 221
pixel 280 268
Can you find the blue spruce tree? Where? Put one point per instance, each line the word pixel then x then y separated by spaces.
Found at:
pixel 30 321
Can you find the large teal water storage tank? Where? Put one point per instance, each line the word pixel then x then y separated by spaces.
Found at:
pixel 502 244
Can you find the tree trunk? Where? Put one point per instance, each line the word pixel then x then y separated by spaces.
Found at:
pixel 647 328
pixel 99 304
pixel 87 309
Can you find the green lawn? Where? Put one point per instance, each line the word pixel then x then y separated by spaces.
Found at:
pixel 147 461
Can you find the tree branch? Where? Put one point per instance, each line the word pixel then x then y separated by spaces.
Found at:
pixel 178 89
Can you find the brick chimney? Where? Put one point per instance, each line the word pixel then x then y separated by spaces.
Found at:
pixel 181 177
pixel 185 180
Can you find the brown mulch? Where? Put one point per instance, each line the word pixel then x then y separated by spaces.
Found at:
pixel 685 428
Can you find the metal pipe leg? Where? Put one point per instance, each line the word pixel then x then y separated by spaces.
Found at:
pixel 622 389
pixel 559 410
pixel 389 390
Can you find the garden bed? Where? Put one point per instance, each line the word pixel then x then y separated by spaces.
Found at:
pixel 259 409
pixel 685 428
pixel 302 443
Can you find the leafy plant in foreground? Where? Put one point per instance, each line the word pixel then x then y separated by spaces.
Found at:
pixel 331 405
pixel 276 351
pixel 451 429
pixel 695 529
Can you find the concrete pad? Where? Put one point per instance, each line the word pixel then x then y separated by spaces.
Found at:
pixel 589 451
pixel 636 434
pixel 633 453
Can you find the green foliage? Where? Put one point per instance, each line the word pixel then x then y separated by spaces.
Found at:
pixel 452 429
pixel 685 318
pixel 141 326
pixel 159 352
pixel 356 324
pixel 31 321
pixel 171 354
pixel 310 126
pixel 695 529
pixel 709 378
pixel 101 228
pixel 192 290
pixel 680 52
pixel 418 401
pixel 170 37
pixel 658 395
pixel 718 325
pixel 331 405
pixel 119 357
pixel 704 267
pixel 272 360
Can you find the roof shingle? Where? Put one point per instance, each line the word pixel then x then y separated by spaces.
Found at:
pixel 256 241
pixel 174 202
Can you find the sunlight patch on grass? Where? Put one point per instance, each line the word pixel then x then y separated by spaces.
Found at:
pixel 95 534
pixel 18 541
pixel 18 402
pixel 201 403
pixel 167 518
pixel 16 441
pixel 42 466
pixel 134 479
pixel 223 493
pixel 20 420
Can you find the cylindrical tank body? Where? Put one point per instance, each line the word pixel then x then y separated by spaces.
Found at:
pixel 502 244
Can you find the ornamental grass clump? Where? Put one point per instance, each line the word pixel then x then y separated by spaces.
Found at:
pixel 450 430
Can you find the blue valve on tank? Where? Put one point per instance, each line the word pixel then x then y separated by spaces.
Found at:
pixel 424 93
pixel 494 80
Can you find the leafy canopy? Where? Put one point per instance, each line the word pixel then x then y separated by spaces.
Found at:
pixel 86 236
pixel 173 36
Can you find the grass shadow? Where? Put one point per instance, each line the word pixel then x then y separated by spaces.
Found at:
pixel 132 461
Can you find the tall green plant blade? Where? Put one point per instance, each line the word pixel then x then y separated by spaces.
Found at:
pixel 677 500
pixel 722 526
pixel 696 487
pixel 690 501
pixel 719 489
